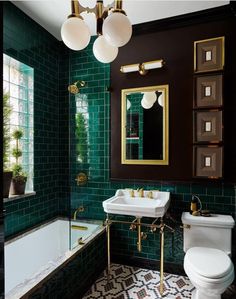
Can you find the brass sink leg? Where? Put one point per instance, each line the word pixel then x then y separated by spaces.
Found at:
pixel 108 248
pixel 139 244
pixel 162 258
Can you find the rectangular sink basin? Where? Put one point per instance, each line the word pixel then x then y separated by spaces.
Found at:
pixel 123 204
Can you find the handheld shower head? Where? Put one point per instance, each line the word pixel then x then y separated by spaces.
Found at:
pixel 73 88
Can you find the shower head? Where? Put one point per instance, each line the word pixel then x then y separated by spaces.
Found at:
pixel 73 88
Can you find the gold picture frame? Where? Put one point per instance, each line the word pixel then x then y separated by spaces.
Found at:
pixel 209 55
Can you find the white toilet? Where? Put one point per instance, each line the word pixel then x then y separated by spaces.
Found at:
pixel 207 243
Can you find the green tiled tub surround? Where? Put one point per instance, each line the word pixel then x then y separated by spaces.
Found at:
pixel 26 41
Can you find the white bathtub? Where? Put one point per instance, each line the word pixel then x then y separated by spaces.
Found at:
pixel 29 258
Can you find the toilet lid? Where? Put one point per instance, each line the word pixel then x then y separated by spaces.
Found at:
pixel 208 262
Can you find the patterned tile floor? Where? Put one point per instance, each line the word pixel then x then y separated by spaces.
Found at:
pixel 134 283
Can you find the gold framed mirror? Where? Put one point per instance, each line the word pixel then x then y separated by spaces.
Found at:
pixel 145 125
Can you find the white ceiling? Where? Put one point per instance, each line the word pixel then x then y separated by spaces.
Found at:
pixel 50 14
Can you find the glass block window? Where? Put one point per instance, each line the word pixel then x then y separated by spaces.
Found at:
pixel 18 83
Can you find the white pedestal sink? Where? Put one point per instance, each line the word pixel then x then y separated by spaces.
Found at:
pixel 124 204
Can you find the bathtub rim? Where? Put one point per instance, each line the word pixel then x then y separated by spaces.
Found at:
pixel 70 254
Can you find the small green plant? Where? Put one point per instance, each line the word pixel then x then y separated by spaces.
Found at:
pixel 18 173
pixel 7 109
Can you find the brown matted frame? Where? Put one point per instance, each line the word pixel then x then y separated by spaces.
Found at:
pixel 208 126
pixel 208 161
pixel 208 91
pixel 209 55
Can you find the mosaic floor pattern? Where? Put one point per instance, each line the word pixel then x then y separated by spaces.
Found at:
pixel 134 283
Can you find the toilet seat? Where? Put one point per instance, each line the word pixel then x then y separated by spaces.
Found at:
pixel 211 263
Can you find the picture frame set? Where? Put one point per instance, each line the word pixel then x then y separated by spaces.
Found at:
pixel 209 59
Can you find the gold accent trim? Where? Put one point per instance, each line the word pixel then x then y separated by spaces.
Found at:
pixel 162 258
pixel 139 243
pixel 165 160
pixel 141 66
pixel 81 179
pixel 79 227
pixel 222 57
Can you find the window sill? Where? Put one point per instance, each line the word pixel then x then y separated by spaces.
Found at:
pixel 14 197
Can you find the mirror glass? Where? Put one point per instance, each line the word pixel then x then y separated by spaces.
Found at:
pixel 144 138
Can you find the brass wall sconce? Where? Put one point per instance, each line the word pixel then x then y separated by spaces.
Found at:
pixel 74 88
pixel 142 68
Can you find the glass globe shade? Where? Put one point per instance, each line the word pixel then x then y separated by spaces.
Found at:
pixel 161 100
pixel 117 29
pixel 128 104
pixel 103 51
pixel 149 97
pixel 75 33
pixel 146 105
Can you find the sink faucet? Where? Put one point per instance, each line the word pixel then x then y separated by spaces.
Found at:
pixel 140 192
pixel 131 193
pixel 78 210
pixel 150 195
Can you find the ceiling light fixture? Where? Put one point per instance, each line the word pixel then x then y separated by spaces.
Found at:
pixel 113 27
pixel 142 68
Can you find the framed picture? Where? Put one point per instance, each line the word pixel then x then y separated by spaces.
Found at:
pixel 208 126
pixel 208 91
pixel 209 55
pixel 208 161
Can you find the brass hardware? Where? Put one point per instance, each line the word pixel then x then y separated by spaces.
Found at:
pixel 79 210
pixel 131 193
pixel 143 67
pixel 79 227
pixel 108 248
pixel 139 243
pixel 140 192
pixel 75 10
pixel 153 227
pixel 150 194
pixel 80 241
pixel 165 91
pixel 73 88
pixel 143 236
pixel 188 226
pixel 162 258
pixel 81 179
pixel 133 225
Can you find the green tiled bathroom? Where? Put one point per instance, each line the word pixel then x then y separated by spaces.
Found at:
pixel 83 123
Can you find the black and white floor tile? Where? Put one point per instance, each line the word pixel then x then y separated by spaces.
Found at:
pixel 134 283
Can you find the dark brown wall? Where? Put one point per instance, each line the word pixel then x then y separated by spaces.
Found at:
pixel 175 46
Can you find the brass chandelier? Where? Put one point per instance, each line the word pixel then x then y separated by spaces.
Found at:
pixel 113 28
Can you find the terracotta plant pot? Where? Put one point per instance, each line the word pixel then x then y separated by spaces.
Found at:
pixel 18 185
pixel 7 177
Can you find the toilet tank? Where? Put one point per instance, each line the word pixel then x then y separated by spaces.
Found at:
pixel 214 231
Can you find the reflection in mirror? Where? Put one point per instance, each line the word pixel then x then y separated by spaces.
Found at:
pixel 144 137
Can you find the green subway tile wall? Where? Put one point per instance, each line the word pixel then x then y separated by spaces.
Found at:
pixel 26 41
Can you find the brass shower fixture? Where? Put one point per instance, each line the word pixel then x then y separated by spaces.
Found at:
pixel 74 88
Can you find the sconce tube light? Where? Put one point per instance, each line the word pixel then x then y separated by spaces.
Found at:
pixel 142 68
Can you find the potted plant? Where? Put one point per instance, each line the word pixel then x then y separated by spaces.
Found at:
pixel 19 176
pixel 7 173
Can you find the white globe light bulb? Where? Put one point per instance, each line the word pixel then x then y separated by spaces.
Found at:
pixel 103 51
pixel 150 97
pixel 128 104
pixel 75 33
pixel 161 100
pixel 117 29
pixel 146 105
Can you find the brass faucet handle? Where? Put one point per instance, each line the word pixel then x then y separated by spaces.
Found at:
pixel 131 193
pixel 140 192
pixel 150 194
